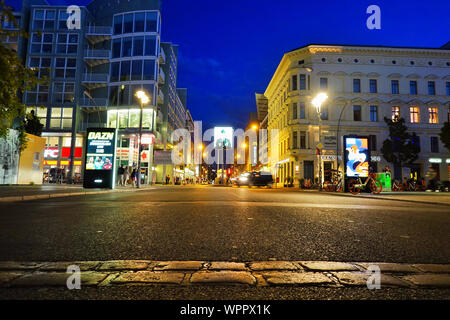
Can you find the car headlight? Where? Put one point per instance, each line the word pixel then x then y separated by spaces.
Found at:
pixel 243 179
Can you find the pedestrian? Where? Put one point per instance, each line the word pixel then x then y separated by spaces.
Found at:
pixel 120 173
pixel 133 176
pixel 126 175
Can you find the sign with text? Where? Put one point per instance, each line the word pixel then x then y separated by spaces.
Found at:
pixel 357 156
pixel 223 137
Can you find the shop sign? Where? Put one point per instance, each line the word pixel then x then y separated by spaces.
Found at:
pixel 51 152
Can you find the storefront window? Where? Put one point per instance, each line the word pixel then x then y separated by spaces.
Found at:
pixel 123 119
pixel 134 118
pixel 67 141
pixel 112 119
pixel 147 119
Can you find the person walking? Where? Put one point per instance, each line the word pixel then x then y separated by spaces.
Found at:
pixel 133 177
pixel 120 173
pixel 126 175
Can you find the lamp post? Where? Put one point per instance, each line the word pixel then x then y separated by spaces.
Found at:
pixel 144 99
pixel 317 102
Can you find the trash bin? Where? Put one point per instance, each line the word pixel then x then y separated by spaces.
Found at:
pixel 385 179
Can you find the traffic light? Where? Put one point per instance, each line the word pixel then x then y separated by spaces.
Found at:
pixel 229 172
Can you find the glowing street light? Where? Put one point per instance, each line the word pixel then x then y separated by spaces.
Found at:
pixel 317 102
pixel 144 99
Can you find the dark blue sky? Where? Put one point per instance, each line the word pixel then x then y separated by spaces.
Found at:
pixel 230 49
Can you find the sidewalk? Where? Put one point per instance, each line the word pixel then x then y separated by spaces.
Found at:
pixel 439 198
pixel 256 273
pixel 26 192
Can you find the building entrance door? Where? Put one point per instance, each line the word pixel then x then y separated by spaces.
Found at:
pixel 309 170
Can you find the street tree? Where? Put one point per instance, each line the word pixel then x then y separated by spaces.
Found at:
pixel 445 135
pixel 15 78
pixel 32 124
pixel 402 147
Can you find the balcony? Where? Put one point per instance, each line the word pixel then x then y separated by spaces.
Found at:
pixel 161 76
pixel 94 57
pixel 96 34
pixel 162 56
pixel 94 104
pixel 95 80
pixel 160 97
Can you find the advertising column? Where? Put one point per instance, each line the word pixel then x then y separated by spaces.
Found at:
pixel 99 171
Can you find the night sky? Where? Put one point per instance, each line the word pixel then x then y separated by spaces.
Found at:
pixel 230 49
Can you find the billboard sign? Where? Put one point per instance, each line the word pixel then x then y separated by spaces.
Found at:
pixel 223 137
pixel 357 156
pixel 99 169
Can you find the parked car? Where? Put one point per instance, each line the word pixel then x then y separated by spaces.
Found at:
pixel 255 179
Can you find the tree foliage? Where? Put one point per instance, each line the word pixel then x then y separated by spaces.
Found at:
pixel 15 79
pixel 402 148
pixel 32 124
pixel 445 135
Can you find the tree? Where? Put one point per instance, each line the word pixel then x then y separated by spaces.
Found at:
pixel 15 79
pixel 402 148
pixel 445 135
pixel 32 124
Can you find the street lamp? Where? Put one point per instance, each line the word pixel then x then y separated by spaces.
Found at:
pixel 144 99
pixel 317 102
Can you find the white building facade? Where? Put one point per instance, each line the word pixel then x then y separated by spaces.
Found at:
pixel 364 84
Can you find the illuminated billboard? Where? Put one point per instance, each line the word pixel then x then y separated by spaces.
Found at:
pixel 223 137
pixel 357 156
pixel 100 157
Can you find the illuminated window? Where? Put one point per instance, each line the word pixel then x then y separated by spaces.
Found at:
pixel 414 114
pixel 395 113
pixel 40 112
pixel 61 118
pixel 433 115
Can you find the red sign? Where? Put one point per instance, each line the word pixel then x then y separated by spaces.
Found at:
pixel 65 152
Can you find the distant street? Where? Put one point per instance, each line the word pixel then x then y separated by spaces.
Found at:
pixel 223 224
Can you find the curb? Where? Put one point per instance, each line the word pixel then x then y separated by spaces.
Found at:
pixel 62 195
pixel 15 274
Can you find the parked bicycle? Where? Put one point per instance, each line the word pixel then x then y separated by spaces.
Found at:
pixel 336 184
pixel 355 186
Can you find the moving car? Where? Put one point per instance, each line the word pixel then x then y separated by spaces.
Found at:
pixel 255 179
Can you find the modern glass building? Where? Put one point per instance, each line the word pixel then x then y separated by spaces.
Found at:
pixel 95 72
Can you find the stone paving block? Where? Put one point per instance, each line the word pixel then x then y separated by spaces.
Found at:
pixel 273 265
pixel 222 277
pixel 6 277
pixel 50 279
pixel 434 268
pixel 115 265
pixel 179 265
pixel 391 267
pixel 227 266
pixel 429 280
pixel 328 266
pixel 62 266
pixel 149 277
pixel 360 279
pixel 297 278
pixel 15 265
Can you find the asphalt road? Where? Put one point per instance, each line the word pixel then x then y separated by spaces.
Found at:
pixel 224 224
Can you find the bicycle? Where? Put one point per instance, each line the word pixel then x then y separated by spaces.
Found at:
pixel 336 184
pixel 355 186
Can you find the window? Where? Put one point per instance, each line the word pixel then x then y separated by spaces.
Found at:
pixel 38 95
pixel 433 115
pixel 62 20
pixel 356 113
pixel 414 114
pixel 415 140
pixel 138 46
pixel 40 112
pixel 150 46
pixel 63 92
pixel 395 113
pixel 413 87
pixel 61 118
pixel 302 110
pixel 67 43
pixel 127 44
pixel 294 140
pixel 447 87
pixel 356 85
pixel 65 68
pixel 302 82
pixel 323 83
pixel 294 83
pixel 373 86
pixel 41 65
pixel 294 111
pixel 136 70
pixel 373 142
pixel 149 69
pixel 151 22
pixel 115 69
pixel 431 88
pixel 44 19
pixel 139 22
pixel 118 24
pixel 116 48
pixel 42 43
pixel 394 87
pixel 302 140
pixel 125 70
pixel 374 113
pixel 434 144
pixel 128 23
pixel 324 113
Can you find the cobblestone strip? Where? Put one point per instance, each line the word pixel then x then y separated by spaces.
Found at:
pixel 256 273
